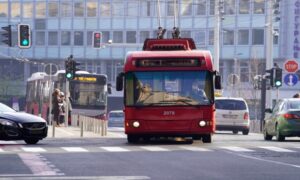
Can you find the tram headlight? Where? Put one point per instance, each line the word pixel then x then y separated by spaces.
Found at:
pixel 136 124
pixel 202 123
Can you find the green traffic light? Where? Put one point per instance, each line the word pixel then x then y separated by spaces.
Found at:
pixel 278 83
pixel 25 42
pixel 69 75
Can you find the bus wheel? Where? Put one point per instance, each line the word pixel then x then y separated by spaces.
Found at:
pixel 196 137
pixel 206 138
pixel 132 138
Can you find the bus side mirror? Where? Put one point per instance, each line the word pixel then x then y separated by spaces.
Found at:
pixel 218 84
pixel 109 88
pixel 119 83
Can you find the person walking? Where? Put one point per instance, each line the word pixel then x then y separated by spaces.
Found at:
pixel 55 107
pixel 62 109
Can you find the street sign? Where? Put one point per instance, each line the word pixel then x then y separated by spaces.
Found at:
pixel 291 66
pixel 290 79
pixel 53 70
pixel 233 79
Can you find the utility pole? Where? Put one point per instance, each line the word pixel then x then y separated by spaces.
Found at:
pixel 218 14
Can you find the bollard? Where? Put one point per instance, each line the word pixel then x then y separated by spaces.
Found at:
pixel 53 128
pixel 81 128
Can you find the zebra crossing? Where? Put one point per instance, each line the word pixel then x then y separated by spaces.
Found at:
pixel 150 148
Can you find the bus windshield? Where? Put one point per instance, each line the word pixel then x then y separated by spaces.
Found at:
pixel 169 88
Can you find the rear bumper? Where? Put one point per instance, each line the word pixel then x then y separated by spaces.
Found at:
pixel 231 128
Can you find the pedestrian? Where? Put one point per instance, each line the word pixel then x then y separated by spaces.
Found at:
pixel 55 107
pixel 297 95
pixel 62 109
pixel 69 105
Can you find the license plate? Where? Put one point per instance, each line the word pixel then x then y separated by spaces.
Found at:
pixel 229 116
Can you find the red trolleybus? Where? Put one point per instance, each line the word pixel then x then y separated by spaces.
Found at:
pixel 169 91
pixel 87 91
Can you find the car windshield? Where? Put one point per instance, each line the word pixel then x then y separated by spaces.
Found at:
pixel 230 104
pixel 5 108
pixel 294 105
pixel 116 114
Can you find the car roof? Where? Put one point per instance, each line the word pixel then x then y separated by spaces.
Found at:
pixel 231 98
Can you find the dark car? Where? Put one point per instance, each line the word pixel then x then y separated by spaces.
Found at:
pixel 21 126
pixel 283 121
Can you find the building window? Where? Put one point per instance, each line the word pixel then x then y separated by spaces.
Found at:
pixel 131 37
pixel 211 37
pixel 118 8
pixel 52 9
pixel 105 36
pixel 3 9
pixel 39 38
pixel 40 24
pixel 244 72
pixel 170 8
pixel 89 38
pixel 65 9
pixel 65 38
pixel 228 37
pixel 244 6
pixel 78 38
pixel 212 7
pixel 27 10
pixel 243 37
pixel 40 9
pixel 52 38
pixel 78 9
pixel 105 9
pixel 144 35
pixel 259 7
pixel 229 7
pixel 132 8
pixel 275 36
pixel 186 7
pixel 257 36
pixel 118 37
pixel 15 10
pixel 91 8
pixel 200 38
pixel 200 7
pixel 185 34
pixel 145 8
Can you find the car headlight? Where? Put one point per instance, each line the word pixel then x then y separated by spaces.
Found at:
pixel 6 122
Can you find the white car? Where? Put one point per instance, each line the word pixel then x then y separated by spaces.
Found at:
pixel 116 118
pixel 232 114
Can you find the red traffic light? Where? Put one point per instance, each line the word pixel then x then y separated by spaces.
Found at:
pixel 97 36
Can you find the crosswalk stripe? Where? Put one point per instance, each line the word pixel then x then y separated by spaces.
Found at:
pixel 74 149
pixel 237 149
pixel 277 149
pixel 33 149
pixel 7 142
pixel 191 148
pixel 154 148
pixel 1 150
pixel 115 149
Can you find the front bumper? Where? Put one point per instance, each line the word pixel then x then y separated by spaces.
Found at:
pixel 18 133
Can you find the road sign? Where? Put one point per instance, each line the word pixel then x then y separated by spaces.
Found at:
pixel 53 68
pixel 291 65
pixel 290 79
pixel 233 79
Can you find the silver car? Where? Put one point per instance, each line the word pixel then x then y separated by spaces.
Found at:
pixel 116 118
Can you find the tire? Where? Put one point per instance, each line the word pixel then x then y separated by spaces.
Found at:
pixel 267 136
pixel 132 138
pixel 246 132
pixel 279 137
pixel 31 141
pixel 235 132
pixel 196 137
pixel 207 138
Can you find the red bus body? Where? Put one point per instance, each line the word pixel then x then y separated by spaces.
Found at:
pixel 171 120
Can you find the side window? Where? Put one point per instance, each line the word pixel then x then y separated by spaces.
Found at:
pixel 277 107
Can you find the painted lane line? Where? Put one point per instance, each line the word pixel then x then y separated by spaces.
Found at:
pixel 34 177
pixel 236 149
pixel 7 142
pixel 114 149
pixel 36 165
pixel 74 149
pixel 154 148
pixel 191 148
pixel 33 149
pixel 276 149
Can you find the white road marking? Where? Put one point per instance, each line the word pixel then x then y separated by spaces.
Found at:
pixel 74 149
pixel 115 149
pixel 61 177
pixel 33 149
pixel 154 148
pixel 277 149
pixel 1 150
pixel 236 149
pixel 8 142
pixel 192 148
pixel 64 131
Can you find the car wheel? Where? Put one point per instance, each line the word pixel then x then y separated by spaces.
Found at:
pixel 196 137
pixel 267 137
pixel 207 138
pixel 31 141
pixel 246 132
pixel 235 132
pixel 132 138
pixel 279 137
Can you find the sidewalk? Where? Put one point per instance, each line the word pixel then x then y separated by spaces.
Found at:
pixel 74 132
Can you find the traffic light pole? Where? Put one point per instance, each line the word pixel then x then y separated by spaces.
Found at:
pixel 67 102
pixel 263 102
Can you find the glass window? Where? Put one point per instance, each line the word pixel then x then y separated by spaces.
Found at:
pixel 275 36
pixel 132 8
pixel 52 38
pixel 89 38
pixel 78 38
pixel 78 9
pixel 200 7
pixel 40 24
pixel 145 8
pixel 200 37
pixel 259 7
pixel 52 9
pixel 15 10
pixel 91 8
pixel 257 36
pixel 65 38
pixel 118 8
pixel 27 10
pixel 243 37
pixel 105 9
pixel 39 38
pixel 229 6
pixel 211 37
pixel 40 9
pixel 3 9
pixel 170 8
pixel 105 36
pixel 65 9
pixel 228 37
pixel 131 37
pixel 244 6
pixel 144 35
pixel 212 7
pixel 230 104
pixel 117 37
pixel 186 7
pixel 244 72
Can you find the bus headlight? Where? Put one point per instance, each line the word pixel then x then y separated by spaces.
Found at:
pixel 202 123
pixel 136 124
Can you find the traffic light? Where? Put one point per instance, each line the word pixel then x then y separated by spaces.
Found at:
pixel 24 36
pixel 7 35
pixel 74 67
pixel 97 37
pixel 69 72
pixel 270 76
pixel 278 77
